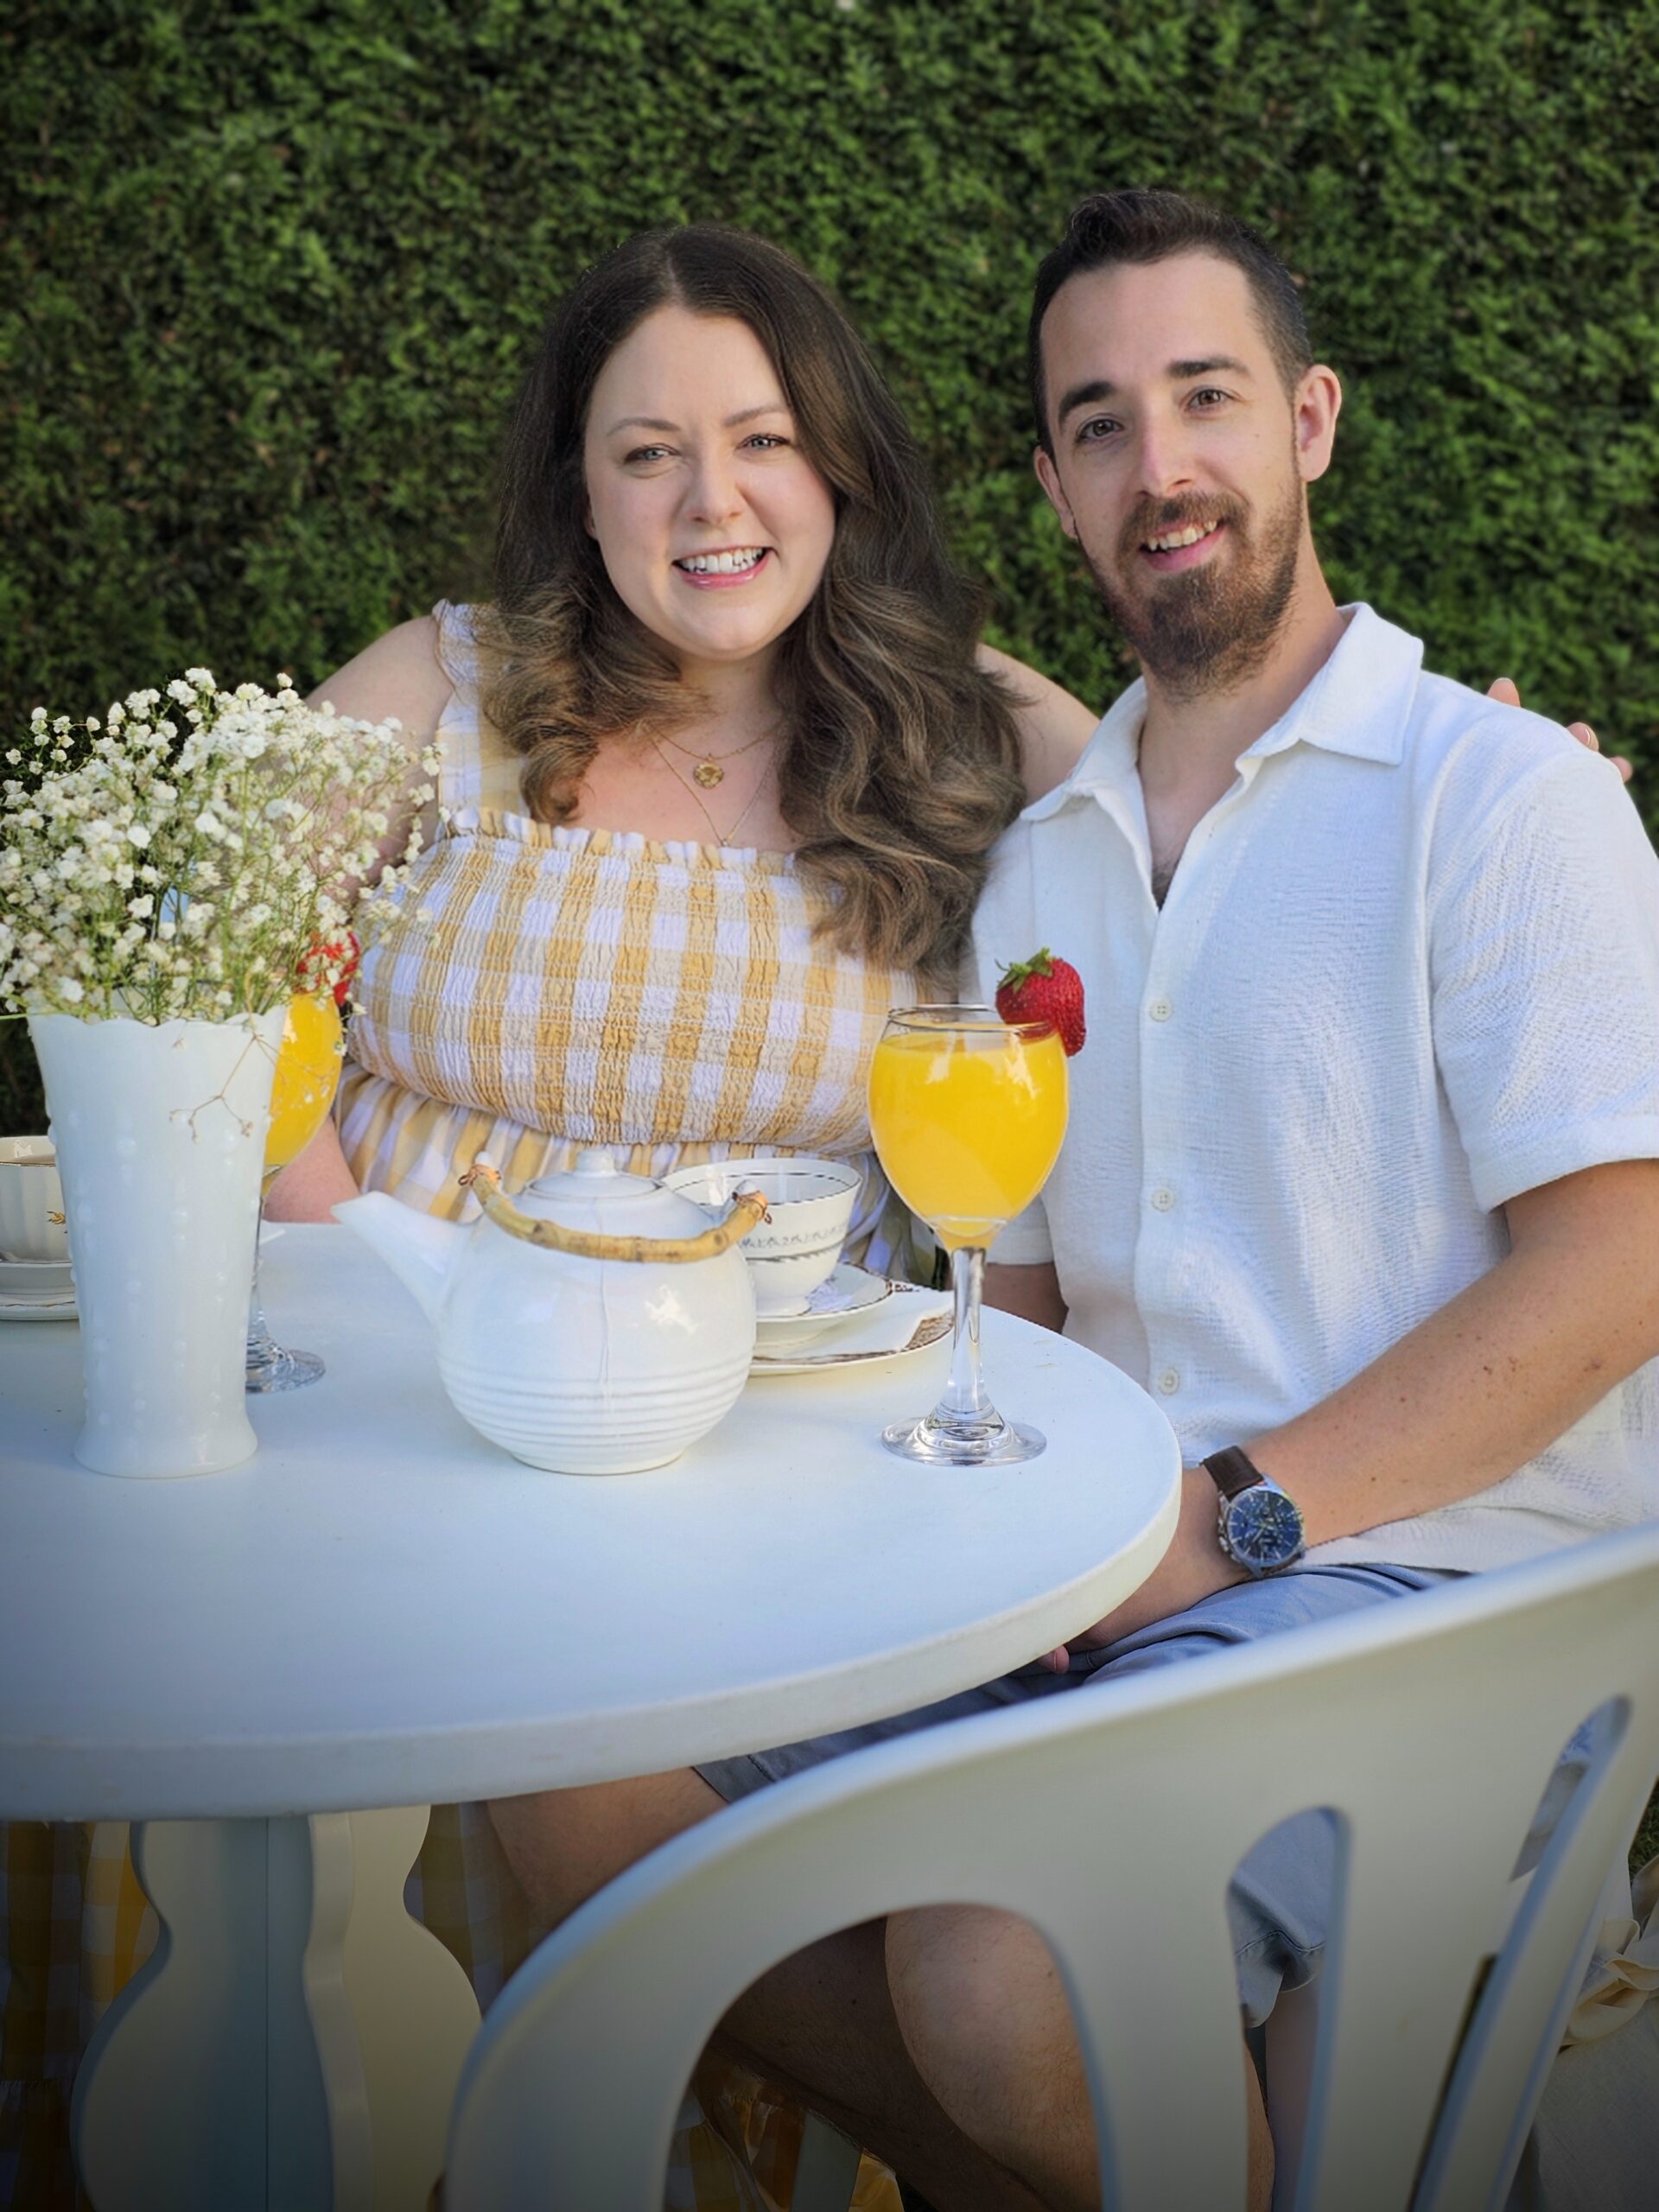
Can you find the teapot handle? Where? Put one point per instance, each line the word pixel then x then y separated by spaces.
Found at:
pixel 485 1182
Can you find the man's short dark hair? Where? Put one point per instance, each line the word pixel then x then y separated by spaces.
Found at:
pixel 1109 228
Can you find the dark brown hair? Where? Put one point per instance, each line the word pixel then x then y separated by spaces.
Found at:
pixel 1134 226
pixel 899 763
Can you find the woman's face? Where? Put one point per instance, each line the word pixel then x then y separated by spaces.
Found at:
pixel 714 526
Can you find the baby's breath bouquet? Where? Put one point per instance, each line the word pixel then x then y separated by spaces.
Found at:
pixel 171 877
pixel 180 859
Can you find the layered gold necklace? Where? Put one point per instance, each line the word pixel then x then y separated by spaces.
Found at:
pixel 711 767
pixel 696 777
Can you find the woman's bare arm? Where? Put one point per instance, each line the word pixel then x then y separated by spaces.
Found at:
pixel 1053 726
pixel 1032 1292
pixel 399 675
pixel 306 1190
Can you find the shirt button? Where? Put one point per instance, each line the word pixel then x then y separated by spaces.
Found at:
pixel 1163 1198
pixel 1159 1010
pixel 1169 1382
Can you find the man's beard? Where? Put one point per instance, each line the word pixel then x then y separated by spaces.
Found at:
pixel 1208 629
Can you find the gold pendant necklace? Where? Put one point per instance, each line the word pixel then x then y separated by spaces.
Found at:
pixel 721 837
pixel 710 769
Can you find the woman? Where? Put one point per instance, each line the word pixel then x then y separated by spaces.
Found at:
pixel 722 769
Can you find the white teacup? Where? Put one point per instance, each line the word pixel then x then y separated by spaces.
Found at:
pixel 31 1201
pixel 808 1208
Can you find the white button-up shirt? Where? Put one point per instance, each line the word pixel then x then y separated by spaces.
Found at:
pixel 1407 968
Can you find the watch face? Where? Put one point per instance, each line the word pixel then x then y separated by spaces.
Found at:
pixel 1264 1528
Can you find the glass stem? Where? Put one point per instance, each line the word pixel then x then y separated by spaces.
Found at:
pixel 965 1395
pixel 261 1344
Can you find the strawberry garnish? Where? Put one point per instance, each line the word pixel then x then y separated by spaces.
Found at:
pixel 1044 989
pixel 343 953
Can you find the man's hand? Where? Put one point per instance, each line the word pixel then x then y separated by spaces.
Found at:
pixel 1193 1568
pixel 1464 1399
pixel 1507 693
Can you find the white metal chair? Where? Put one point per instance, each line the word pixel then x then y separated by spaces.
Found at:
pixel 1112 1820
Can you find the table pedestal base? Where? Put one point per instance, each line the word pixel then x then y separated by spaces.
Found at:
pixel 293 2042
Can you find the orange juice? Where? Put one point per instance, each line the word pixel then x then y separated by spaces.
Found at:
pixel 968 1127
pixel 308 1071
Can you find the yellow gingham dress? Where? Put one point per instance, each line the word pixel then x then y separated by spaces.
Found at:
pixel 540 989
pixel 544 988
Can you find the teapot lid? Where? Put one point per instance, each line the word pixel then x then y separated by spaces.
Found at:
pixel 596 1193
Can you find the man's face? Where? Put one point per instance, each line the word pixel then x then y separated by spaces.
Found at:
pixel 1180 462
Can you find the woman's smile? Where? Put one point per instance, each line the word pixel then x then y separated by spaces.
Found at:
pixel 724 569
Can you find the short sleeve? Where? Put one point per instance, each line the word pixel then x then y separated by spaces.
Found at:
pixel 457 645
pixel 1544 967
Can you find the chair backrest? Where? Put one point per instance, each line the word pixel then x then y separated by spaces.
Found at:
pixel 1112 1820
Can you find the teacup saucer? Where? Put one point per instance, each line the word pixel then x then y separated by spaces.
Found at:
pixel 35 1278
pixel 906 1324
pixel 37 1290
pixel 850 1290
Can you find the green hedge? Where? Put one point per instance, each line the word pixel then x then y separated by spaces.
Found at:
pixel 271 270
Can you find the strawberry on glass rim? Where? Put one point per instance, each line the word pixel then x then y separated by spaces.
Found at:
pixel 339 956
pixel 1045 988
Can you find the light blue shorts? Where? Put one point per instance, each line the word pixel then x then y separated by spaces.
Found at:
pixel 1279 1898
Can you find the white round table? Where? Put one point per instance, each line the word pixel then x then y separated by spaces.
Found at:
pixel 381 1610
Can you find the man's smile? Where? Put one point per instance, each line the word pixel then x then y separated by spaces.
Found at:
pixel 1172 550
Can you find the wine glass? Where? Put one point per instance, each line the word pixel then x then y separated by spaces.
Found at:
pixel 968 1112
pixel 302 1090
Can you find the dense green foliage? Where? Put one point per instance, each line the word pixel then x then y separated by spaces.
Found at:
pixel 271 271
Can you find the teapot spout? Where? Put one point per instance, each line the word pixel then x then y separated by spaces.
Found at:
pixel 418 1249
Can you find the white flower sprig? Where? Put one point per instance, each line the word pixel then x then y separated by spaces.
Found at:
pixel 181 858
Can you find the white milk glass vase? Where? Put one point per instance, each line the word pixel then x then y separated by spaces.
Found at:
pixel 160 1131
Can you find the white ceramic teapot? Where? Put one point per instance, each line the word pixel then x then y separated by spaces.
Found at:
pixel 598 1326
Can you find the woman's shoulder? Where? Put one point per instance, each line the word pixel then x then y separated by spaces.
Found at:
pixel 401 674
pixel 1055 727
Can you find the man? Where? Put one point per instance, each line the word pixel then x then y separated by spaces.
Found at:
pixel 1363 1174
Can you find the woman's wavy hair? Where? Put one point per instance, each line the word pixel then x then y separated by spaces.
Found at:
pixel 899 763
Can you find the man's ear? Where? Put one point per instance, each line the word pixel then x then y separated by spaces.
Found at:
pixel 1315 408
pixel 1049 477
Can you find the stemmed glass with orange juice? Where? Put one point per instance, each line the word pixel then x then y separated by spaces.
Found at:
pixel 302 1090
pixel 968 1112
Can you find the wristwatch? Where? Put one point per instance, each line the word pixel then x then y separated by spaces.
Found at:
pixel 1259 1526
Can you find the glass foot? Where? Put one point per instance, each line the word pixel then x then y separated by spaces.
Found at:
pixel 271 1368
pixel 943 1440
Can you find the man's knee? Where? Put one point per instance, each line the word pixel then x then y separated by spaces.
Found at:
pixel 565 1844
pixel 985 2017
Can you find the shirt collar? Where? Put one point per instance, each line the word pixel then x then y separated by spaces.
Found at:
pixel 1359 703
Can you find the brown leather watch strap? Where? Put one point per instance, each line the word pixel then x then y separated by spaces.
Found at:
pixel 1233 1471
